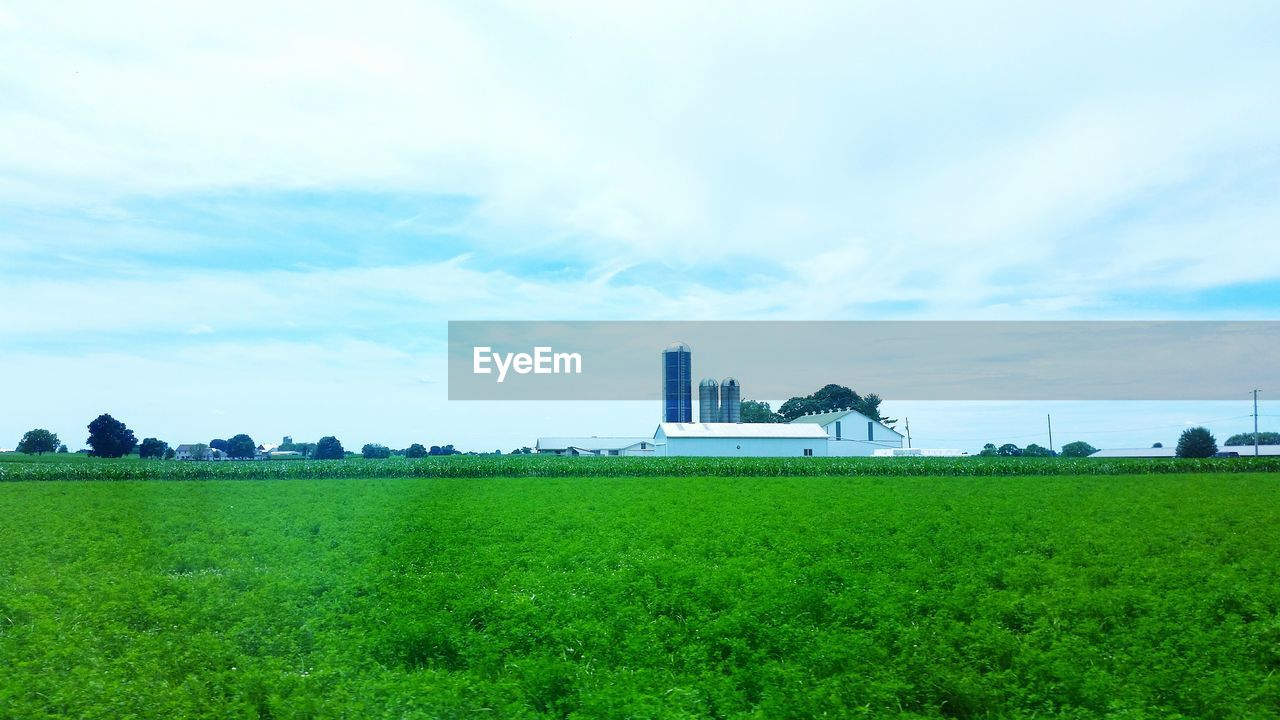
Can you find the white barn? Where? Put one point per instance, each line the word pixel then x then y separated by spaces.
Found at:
pixel 740 440
pixel 849 433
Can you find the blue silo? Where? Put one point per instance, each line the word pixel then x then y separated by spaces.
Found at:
pixel 677 384
pixel 708 401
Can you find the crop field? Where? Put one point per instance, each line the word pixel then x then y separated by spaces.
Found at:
pixel 1126 596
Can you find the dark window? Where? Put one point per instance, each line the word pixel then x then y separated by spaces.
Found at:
pixel 837 429
pixel 870 432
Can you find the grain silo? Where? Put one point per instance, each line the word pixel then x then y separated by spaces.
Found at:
pixel 730 401
pixel 677 390
pixel 708 401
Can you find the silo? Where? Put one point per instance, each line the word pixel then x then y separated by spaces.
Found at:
pixel 708 401
pixel 677 384
pixel 730 401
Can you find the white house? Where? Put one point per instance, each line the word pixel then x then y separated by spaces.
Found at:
pixel 740 440
pixel 598 446
pixel 850 433
pixel 198 452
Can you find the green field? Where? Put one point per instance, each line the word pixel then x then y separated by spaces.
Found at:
pixel 1111 596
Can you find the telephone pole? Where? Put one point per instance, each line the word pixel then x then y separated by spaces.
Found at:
pixel 1255 423
pixel 908 421
pixel 1050 419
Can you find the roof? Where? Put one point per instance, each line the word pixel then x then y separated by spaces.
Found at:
pixel 740 430
pixel 589 443
pixel 827 418
pixel 188 447
pixel 1166 452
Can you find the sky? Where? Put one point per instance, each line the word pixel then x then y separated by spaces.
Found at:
pixel 259 217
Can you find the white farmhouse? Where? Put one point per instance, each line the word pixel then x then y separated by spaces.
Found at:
pixel 850 433
pixel 740 440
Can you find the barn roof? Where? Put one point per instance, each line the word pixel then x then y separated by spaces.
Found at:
pixel 826 418
pixel 740 430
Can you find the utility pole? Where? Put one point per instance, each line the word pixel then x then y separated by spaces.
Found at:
pixel 1255 423
pixel 908 420
pixel 1050 419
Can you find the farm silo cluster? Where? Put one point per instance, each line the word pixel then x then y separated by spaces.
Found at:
pixel 720 431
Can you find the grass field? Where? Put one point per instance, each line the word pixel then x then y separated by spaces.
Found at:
pixel 1112 596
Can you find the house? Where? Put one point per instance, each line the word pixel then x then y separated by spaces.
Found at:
pixel 597 446
pixel 850 433
pixel 740 440
pixel 198 451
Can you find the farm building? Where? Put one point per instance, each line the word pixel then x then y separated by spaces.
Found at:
pixel 198 452
pixel 1168 452
pixel 850 433
pixel 741 440
pixel 598 446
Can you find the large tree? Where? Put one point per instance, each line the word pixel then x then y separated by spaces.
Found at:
pixel 153 448
pixel 833 397
pixel 1264 438
pixel 1197 442
pixel 1079 448
pixel 328 448
pixel 220 444
pixel 415 450
pixel 1034 450
pixel 110 438
pixel 373 451
pixel 241 447
pixel 759 412
pixel 38 442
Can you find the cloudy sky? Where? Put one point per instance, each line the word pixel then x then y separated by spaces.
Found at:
pixel 258 217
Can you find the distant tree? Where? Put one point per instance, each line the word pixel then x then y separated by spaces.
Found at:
pixel 220 444
pixel 1197 442
pixel 307 449
pixel 833 397
pixel 373 451
pixel 1009 450
pixel 198 450
pixel 38 442
pixel 63 449
pixel 523 451
pixel 1264 438
pixel 328 449
pixel 153 448
pixel 1034 450
pixel 240 447
pixel 1078 448
pixel 759 412
pixel 1157 445
pixel 169 453
pixel 989 450
pixel 415 451
pixel 110 438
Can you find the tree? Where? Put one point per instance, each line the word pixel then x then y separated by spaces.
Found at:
pixel 989 450
pixel 1009 450
pixel 169 453
pixel 240 447
pixel 1078 448
pixel 110 438
pixel 1197 442
pixel 1157 445
pixel 1034 450
pixel 220 444
pixel 443 450
pixel 1264 438
pixel 38 442
pixel 415 451
pixel 63 448
pixel 328 449
pixel 153 448
pixel 753 411
pixel 372 451
pixel 833 397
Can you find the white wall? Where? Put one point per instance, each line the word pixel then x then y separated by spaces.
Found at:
pixel 857 448
pixel 743 447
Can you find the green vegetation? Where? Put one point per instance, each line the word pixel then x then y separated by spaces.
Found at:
pixel 1196 442
pixel 478 466
pixel 1264 438
pixel 38 442
pixel 110 438
pixel 1079 597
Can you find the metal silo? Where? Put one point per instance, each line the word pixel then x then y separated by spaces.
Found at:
pixel 708 401
pixel 730 401
pixel 677 384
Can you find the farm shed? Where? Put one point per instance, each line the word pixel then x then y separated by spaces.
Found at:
pixel 601 446
pixel 850 433
pixel 741 440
